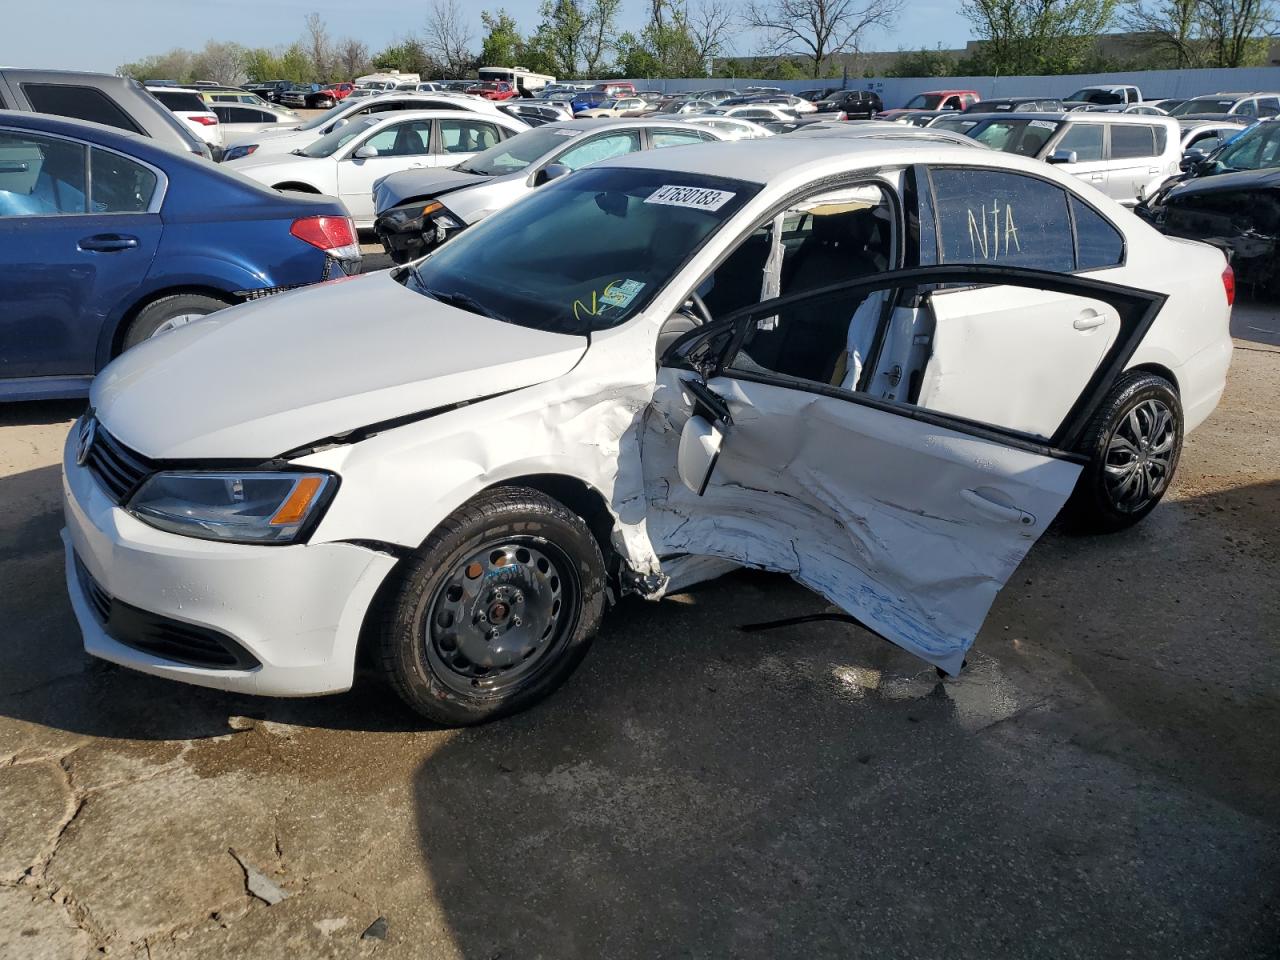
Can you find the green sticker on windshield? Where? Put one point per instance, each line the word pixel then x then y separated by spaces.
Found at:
pixel 620 294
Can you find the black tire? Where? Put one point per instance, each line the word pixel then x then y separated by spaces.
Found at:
pixel 1099 503
pixel 419 637
pixel 155 315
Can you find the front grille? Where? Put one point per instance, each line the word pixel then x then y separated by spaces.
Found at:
pixel 117 468
pixel 161 636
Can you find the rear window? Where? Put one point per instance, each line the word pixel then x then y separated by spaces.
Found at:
pixel 79 103
pixel 175 100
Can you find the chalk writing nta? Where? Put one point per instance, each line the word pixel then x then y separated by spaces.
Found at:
pixel 989 243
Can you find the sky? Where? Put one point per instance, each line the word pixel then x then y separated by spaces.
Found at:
pixel 99 35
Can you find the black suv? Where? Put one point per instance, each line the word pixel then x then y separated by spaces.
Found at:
pixel 854 104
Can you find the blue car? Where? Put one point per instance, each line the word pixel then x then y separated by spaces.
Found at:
pixel 107 239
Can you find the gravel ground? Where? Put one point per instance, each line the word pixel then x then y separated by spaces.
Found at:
pixel 1103 780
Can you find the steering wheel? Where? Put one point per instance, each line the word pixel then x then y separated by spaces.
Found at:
pixel 704 315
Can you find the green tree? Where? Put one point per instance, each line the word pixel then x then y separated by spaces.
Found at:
pixel 922 63
pixel 407 56
pixel 296 65
pixel 502 42
pixel 174 65
pixel 1027 37
pixel 559 36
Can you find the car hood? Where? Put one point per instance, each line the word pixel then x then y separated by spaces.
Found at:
pixel 276 141
pixel 1265 179
pixel 267 377
pixel 471 200
pixel 396 188
pixel 259 160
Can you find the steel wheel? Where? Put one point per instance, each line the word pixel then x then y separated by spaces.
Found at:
pixel 1139 457
pixel 500 615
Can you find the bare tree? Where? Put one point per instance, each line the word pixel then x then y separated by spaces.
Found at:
pixel 817 30
pixel 221 62
pixel 1170 27
pixel 448 38
pixel 317 44
pixel 711 27
pixel 1233 30
pixel 351 58
pixel 599 33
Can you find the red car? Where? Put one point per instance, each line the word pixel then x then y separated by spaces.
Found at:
pixel 956 100
pixel 494 90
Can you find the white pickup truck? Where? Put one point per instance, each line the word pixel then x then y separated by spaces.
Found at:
pixel 1105 95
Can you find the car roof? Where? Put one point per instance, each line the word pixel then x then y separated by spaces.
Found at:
pixel 608 123
pixel 773 159
pixel 1076 116
pixel 165 88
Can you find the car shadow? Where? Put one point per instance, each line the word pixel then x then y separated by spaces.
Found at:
pixel 695 790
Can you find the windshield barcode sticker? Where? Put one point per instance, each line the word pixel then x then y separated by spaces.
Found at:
pixel 1044 124
pixel 697 198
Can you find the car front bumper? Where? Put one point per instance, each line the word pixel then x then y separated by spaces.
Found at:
pixel 288 616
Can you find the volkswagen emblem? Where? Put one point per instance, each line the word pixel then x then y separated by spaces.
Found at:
pixel 84 442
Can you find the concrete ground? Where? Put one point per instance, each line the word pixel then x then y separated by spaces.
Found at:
pixel 1103 780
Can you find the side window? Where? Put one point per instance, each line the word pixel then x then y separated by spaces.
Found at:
pixel 80 103
pixel 1130 140
pixel 1247 108
pixel 119 185
pixel 467 136
pixel 989 216
pixel 1098 243
pixel 831 238
pixel 224 114
pixel 674 138
pixel 1085 139
pixel 409 139
pixel 1268 106
pixel 40 176
pixel 600 148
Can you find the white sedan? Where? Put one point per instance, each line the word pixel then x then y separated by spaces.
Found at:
pixel 300 135
pixel 879 365
pixel 346 162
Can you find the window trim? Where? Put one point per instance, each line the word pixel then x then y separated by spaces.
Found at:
pixel 1075 241
pixel 1135 321
pixel 157 197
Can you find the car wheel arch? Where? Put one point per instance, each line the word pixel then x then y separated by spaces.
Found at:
pixel 1160 371
pixel 576 494
pixel 121 328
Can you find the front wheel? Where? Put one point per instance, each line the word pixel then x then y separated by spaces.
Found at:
pixel 1133 443
pixel 495 610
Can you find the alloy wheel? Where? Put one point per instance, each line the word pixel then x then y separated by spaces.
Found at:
pixel 1140 454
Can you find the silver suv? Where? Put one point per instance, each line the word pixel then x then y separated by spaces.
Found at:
pixel 101 98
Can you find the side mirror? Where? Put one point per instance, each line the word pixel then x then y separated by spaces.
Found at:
pixel 1063 156
pixel 700 442
pixel 552 171
pixel 342 122
pixel 365 152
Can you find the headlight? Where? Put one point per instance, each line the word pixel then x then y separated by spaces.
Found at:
pixel 235 153
pixel 238 507
pixel 414 216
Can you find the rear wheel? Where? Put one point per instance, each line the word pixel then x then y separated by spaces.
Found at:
pixel 495 610
pixel 1133 443
pixel 169 313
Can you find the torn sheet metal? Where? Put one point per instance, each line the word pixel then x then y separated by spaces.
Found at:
pixel 862 506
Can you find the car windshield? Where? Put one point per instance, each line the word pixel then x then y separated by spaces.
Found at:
pixel 1097 96
pixel 955 124
pixel 333 141
pixel 329 115
pixel 514 154
pixel 1023 137
pixel 1255 149
pixel 585 253
pixel 924 101
pixel 1203 105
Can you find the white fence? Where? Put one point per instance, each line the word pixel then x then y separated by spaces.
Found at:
pixel 895 91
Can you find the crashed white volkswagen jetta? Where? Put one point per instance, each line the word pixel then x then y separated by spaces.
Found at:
pixel 880 365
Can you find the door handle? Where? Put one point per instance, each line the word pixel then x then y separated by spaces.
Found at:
pixel 1096 177
pixel 1088 320
pixel 108 243
pixel 997 510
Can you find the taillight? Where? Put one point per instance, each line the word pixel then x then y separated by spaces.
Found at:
pixel 336 236
pixel 842 115
pixel 208 121
pixel 1229 285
